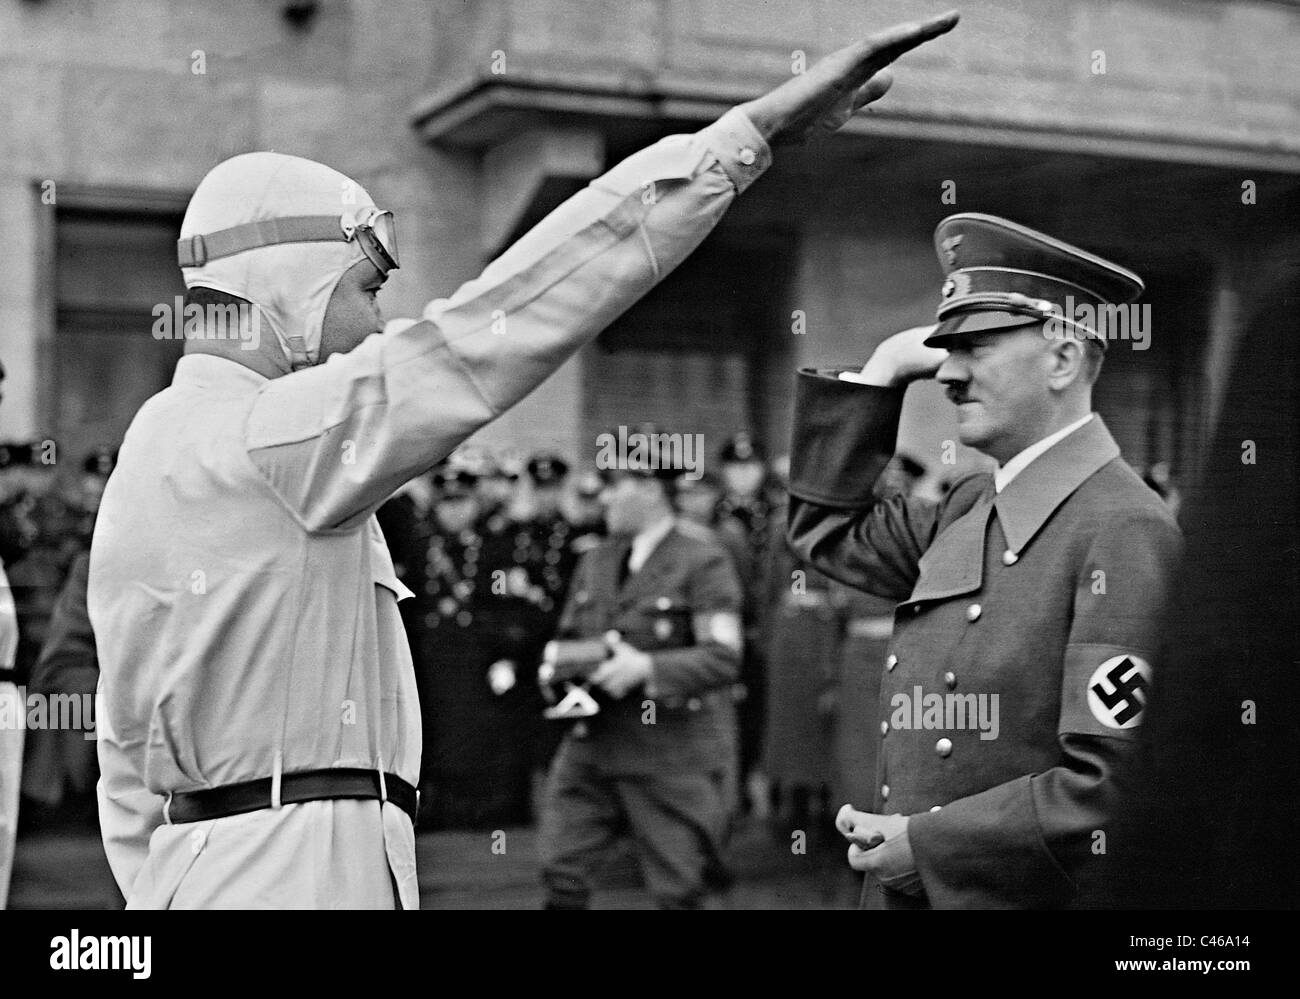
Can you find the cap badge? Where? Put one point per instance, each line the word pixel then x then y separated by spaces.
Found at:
pixel 957 284
pixel 950 249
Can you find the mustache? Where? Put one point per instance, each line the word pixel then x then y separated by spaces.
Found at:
pixel 957 395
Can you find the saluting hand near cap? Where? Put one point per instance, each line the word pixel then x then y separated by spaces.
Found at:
pixel 900 359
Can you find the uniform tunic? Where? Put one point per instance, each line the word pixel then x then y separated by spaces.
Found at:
pixel 657 759
pixel 243 599
pixel 806 630
pixel 1046 596
pixel 856 740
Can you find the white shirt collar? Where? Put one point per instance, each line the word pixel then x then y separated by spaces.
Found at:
pixel 644 544
pixel 1021 461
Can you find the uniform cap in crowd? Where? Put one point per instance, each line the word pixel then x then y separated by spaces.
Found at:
pixel 741 446
pixel 547 469
pixel 100 461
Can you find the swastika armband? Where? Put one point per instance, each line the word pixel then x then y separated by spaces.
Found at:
pixel 1104 690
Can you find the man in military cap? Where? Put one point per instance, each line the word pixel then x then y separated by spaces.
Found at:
pixel 655 760
pixel 584 512
pixel 477 762
pixel 749 521
pixel 259 729
pixel 1029 599
pixel 531 557
pixel 542 559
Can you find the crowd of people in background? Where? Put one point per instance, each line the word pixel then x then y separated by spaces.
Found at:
pixel 46 522
pixel 488 543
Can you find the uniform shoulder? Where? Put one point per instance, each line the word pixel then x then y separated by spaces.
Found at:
pixel 1125 496
pixel 696 532
pixel 966 489
pixel 700 543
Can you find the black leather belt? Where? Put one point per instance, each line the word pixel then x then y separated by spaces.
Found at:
pixel 330 784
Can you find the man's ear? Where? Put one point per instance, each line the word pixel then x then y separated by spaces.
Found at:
pixel 1066 362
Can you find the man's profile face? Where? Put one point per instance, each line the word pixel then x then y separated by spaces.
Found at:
pixel 547 498
pixel 456 513
pixel 698 503
pixel 629 501
pixel 999 382
pixel 743 478
pixel 353 310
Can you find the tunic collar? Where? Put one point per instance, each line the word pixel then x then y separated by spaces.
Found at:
pixel 1003 476
pixel 1028 500
pixel 954 562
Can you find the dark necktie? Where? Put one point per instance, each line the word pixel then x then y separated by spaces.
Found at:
pixel 625 567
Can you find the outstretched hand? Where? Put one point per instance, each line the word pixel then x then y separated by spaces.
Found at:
pixel 835 87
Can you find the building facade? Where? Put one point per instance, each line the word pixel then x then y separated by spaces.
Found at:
pixel 1165 135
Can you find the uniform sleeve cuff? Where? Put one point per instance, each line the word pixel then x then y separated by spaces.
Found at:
pixel 741 151
pixel 842 438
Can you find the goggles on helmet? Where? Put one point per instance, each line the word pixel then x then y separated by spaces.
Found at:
pixel 375 233
pixel 371 228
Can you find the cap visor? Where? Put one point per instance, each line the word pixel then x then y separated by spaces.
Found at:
pixel 977 322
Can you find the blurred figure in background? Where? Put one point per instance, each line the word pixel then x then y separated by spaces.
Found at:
pixel 60 767
pixel 468 773
pixel 1160 478
pixel 1211 820
pixel 15 536
pixel 499 483
pixel 869 623
pixel 752 525
pixel 404 519
pixel 83 501
pixel 804 634
pixel 666 601
pixel 530 562
pixel 699 501
pixel 583 510
pixel 42 531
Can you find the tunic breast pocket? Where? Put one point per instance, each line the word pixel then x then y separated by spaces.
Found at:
pixel 659 623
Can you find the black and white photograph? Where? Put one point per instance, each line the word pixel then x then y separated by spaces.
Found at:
pixel 776 455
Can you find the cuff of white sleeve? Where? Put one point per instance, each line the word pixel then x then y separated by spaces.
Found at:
pixel 742 152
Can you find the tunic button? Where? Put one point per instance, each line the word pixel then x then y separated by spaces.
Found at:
pixel 973 612
pixel 884 728
pixel 884 792
pixel 891 662
pixel 1009 557
pixel 748 156
pixel 916 608
pixel 950 678
pixel 694 704
pixel 936 808
pixel 943 747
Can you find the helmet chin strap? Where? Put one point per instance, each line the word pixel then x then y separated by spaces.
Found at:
pixel 298 356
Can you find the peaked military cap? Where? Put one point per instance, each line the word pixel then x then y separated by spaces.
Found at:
pixel 547 469
pixel 741 446
pixel 1001 275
